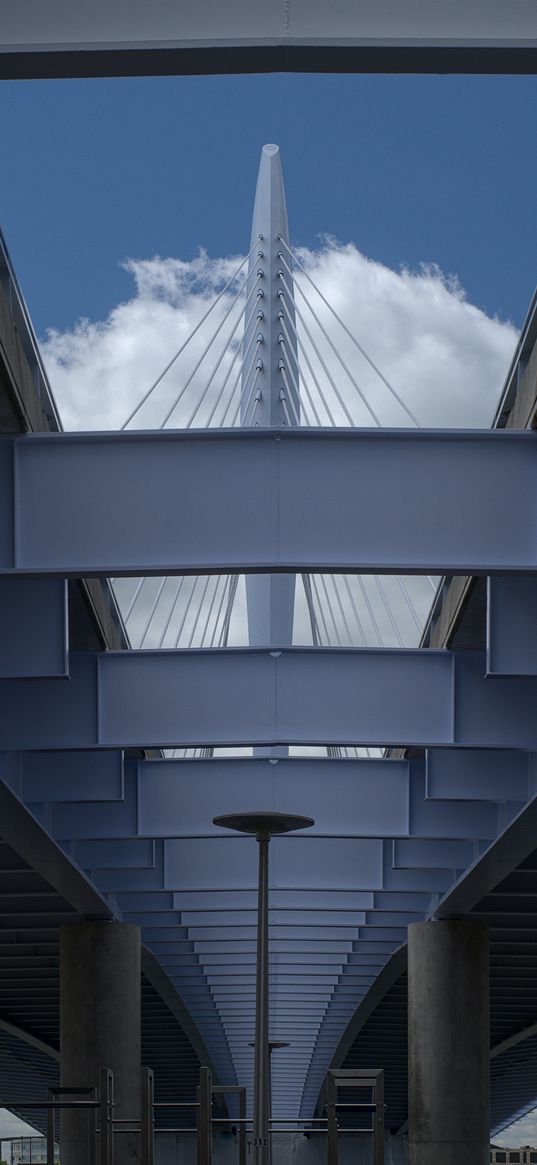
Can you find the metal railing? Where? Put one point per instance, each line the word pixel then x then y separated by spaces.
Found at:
pixel 104 1126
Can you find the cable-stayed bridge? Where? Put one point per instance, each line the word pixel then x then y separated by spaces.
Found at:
pixel 273 560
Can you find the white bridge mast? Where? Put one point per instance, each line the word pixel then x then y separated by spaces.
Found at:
pixel 270 379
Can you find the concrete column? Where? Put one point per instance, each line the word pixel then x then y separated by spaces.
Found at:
pixel 448 1043
pixel 100 1027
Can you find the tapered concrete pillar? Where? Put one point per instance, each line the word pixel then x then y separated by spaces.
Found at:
pixel 448 1043
pixel 100 1027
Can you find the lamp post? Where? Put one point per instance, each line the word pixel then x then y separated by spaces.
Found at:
pixel 272 1047
pixel 263 825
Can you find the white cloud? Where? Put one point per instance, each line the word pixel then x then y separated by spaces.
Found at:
pixel 445 357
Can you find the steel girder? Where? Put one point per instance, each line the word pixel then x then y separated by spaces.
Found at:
pixel 259 35
pixel 243 696
pixel 511 626
pixel 173 502
pixel 33 627
pixel 92 799
pixel 34 633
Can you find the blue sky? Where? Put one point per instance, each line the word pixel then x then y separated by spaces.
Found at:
pixel 411 169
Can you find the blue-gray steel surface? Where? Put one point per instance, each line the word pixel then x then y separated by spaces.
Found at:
pixel 67 776
pixel 165 799
pixel 488 775
pixel 256 35
pixel 253 696
pixel 365 500
pixel 512 626
pixel 33 627
pixel 374 794
pixel 329 941
pixel 356 814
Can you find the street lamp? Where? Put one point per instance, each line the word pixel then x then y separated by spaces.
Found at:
pixel 272 1047
pixel 263 825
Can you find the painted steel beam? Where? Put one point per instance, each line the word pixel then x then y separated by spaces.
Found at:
pixel 106 843
pixel 36 847
pixel 93 38
pixel 124 853
pixel 485 775
pixel 512 626
pixel 347 798
pixel 171 503
pixel 448 818
pixel 256 696
pixel 64 776
pixel 423 853
pixel 374 794
pixel 33 627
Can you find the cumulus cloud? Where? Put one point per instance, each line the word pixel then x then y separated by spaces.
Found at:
pixel 445 357
pixel 99 370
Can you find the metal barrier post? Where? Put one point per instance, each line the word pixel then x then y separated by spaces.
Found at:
pixel 93 1130
pixel 204 1117
pixel 240 1091
pixel 54 1095
pixel 147 1117
pixel 242 1126
pixel 378 1135
pixel 50 1131
pixel 106 1112
pixel 331 1117
pixel 355 1078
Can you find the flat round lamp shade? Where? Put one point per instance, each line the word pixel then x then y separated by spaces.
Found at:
pixel 264 823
